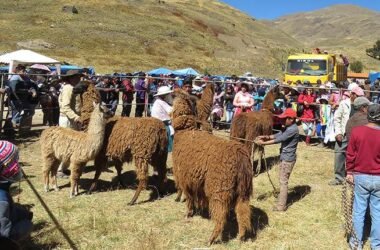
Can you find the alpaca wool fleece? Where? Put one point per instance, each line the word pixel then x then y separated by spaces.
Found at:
pixel 250 125
pixel 143 140
pixel 72 147
pixel 212 172
pixel 204 106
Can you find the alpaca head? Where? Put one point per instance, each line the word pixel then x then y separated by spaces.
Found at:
pixel 90 96
pixel 182 114
pixel 100 113
pixel 181 104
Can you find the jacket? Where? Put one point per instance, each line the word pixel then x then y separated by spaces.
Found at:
pixel 69 103
pixel 358 119
pixel 341 116
pixel 6 204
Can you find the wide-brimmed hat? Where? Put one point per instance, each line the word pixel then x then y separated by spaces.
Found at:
pixel 289 112
pixel 10 170
pixel 71 73
pixel 163 90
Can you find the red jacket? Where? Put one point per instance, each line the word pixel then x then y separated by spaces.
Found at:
pixel 308 110
pixel 363 152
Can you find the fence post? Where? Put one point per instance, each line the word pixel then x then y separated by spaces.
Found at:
pixel 2 103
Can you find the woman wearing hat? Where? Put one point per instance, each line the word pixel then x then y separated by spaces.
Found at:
pixel 307 99
pixel 161 110
pixel 363 170
pixel 15 221
pixel 243 100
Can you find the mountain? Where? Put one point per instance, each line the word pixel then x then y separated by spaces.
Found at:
pixel 132 35
pixel 347 29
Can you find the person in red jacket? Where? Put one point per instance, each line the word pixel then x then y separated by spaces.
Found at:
pixel 363 170
pixel 307 99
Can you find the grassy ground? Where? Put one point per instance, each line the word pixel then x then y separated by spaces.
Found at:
pixel 104 221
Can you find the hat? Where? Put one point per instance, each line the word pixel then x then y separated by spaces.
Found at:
pixel 71 73
pixel 289 112
pixel 373 114
pixel 9 166
pixel 163 90
pixel 358 91
pixel 361 101
pixel 324 97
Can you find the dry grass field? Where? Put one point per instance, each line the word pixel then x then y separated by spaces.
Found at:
pixel 104 221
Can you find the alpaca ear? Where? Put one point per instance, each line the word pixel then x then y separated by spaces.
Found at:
pixel 96 105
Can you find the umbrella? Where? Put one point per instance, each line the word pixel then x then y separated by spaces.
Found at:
pixel 40 66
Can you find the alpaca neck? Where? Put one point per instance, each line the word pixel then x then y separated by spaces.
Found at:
pixel 268 102
pixel 96 128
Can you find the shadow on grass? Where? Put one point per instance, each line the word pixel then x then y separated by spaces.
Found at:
pixel 294 194
pixel 271 162
pixel 259 220
pixel 297 193
pixel 129 181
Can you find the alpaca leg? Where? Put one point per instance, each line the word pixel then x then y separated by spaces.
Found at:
pixel 142 176
pixel 161 170
pixel 119 169
pixel 47 170
pixel 100 163
pixel 179 195
pixel 74 177
pixel 243 215
pixel 54 175
pixel 190 207
pixel 219 213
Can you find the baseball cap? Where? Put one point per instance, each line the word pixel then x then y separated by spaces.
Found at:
pixel 289 112
pixel 358 91
pixel 361 101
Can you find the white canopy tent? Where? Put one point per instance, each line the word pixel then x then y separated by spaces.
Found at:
pixel 24 56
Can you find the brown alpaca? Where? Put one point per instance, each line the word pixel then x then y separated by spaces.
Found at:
pixel 212 172
pixel 248 126
pixel 204 106
pixel 71 147
pixel 143 140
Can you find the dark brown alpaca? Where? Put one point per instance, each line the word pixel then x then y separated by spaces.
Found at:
pixel 204 107
pixel 143 140
pixel 248 126
pixel 212 172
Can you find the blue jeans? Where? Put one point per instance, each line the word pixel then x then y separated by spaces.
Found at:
pixel 229 115
pixel 367 192
pixel 321 130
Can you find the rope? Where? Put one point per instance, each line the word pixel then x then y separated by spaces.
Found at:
pixel 347 207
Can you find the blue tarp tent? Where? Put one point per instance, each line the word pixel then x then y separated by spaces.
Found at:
pixel 185 72
pixel 65 68
pixel 373 76
pixel 160 71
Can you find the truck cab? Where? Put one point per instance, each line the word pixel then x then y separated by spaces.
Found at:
pixel 313 67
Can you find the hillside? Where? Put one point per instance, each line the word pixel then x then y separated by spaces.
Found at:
pixel 131 35
pixel 345 29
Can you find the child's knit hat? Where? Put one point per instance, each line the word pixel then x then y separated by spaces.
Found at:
pixel 10 169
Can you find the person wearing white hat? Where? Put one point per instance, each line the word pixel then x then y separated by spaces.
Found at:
pixel 161 110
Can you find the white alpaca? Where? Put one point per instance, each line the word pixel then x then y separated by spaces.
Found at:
pixel 73 148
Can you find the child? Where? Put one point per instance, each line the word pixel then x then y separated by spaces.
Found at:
pixel 289 141
pixel 15 221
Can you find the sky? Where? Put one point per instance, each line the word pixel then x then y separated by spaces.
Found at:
pixel 272 9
